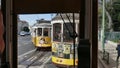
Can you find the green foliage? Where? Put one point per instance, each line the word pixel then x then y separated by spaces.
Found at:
pixel 115 40
pixel 26 29
pixel 116 15
pixel 119 17
pixel 113 8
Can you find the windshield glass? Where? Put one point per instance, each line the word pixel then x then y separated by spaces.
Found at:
pixel 39 31
pixel 56 32
pixel 45 32
pixel 67 33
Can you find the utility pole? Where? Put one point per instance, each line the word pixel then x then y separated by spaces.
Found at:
pixel 103 25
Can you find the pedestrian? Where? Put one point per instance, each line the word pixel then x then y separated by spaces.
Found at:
pixel 118 50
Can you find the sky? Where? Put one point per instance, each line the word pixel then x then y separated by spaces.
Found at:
pixel 31 18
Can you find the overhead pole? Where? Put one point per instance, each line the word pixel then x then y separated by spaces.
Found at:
pixel 74 38
pixel 103 25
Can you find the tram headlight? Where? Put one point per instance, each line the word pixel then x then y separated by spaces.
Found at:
pixel 60 60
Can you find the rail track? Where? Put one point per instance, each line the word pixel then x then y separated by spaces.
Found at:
pixel 36 58
pixel 27 56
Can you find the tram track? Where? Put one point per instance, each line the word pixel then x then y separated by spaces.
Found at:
pixel 38 56
pixel 35 58
pixel 44 59
pixel 26 57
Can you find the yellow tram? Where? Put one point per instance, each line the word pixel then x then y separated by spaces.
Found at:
pixel 62 42
pixel 41 35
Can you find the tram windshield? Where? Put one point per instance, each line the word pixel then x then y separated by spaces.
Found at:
pixel 45 31
pixel 67 31
pixel 39 32
pixel 57 32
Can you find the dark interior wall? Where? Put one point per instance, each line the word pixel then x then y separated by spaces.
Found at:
pixel 4 20
pixel 94 33
pixel 46 6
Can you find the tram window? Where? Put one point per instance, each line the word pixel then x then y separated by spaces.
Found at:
pixel 67 33
pixel 46 32
pixel 57 32
pixel 39 31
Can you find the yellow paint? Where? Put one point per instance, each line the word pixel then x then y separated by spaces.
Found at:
pixel 36 41
pixel 68 62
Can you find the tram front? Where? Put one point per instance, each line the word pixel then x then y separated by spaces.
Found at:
pixel 42 36
pixel 62 41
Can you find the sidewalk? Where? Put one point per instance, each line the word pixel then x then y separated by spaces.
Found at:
pixel 111 48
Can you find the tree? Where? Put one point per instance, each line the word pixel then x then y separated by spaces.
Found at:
pixel 108 20
pixel 112 11
pixel 116 15
pixel 26 29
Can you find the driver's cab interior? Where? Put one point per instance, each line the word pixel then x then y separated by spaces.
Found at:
pixel 87 27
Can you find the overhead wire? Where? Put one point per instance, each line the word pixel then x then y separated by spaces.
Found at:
pixel 74 35
pixel 65 24
pixel 73 26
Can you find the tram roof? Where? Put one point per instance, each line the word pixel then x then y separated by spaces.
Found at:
pixel 42 25
pixel 43 21
pixel 58 17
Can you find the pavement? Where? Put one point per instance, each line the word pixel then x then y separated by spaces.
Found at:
pixel 110 47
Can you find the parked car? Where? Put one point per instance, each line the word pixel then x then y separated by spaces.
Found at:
pixel 23 33
pixel 28 33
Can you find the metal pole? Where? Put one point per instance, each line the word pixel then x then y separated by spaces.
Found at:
pixel 103 26
pixel 74 39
